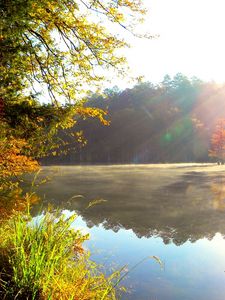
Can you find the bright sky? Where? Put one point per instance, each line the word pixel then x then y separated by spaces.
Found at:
pixel 191 41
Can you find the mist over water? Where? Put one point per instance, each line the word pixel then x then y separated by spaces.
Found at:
pixel 176 212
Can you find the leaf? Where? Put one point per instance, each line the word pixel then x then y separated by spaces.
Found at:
pixel 158 260
pixel 95 202
pixel 77 196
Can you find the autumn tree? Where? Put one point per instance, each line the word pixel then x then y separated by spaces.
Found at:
pixel 52 52
pixel 218 141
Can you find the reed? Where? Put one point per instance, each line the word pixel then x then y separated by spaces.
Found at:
pixel 45 260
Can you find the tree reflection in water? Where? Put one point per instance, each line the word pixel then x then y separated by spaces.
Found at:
pixel 218 189
pixel 178 203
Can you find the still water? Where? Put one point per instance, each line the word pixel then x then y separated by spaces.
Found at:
pixel 175 212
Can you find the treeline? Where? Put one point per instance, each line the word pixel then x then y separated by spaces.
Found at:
pixel 169 122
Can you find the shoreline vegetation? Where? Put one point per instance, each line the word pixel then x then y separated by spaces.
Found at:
pixel 44 259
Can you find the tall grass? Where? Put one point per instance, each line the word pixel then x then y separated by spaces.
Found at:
pixel 45 260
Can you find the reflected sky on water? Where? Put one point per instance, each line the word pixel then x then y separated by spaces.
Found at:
pixel 176 212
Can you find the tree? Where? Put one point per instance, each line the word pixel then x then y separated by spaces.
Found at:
pixel 59 45
pixel 218 141
pixel 54 51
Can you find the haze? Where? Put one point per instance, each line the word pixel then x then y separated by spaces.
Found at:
pixel 191 41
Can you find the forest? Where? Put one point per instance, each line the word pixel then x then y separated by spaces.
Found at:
pixel 172 121
pixel 56 58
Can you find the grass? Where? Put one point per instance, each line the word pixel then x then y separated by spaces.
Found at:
pixel 45 260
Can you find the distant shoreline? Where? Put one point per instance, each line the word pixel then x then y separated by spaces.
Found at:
pixel 205 164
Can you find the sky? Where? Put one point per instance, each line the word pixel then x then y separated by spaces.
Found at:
pixel 191 41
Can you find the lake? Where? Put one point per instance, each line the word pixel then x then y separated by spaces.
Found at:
pixel 175 212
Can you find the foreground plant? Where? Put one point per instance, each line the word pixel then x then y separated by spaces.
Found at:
pixel 44 259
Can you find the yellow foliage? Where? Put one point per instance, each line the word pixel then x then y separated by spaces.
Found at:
pixel 93 113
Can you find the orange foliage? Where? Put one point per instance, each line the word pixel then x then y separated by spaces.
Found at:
pixel 13 201
pixel 12 160
pixel 218 141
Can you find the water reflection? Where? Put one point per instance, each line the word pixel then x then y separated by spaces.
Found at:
pixel 218 189
pixel 13 201
pixel 177 203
